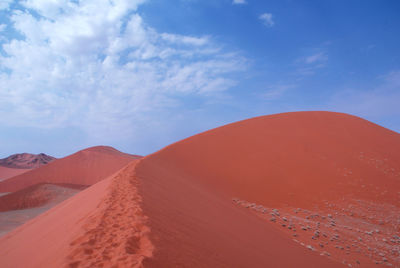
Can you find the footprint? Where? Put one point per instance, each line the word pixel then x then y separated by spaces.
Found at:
pixel 132 245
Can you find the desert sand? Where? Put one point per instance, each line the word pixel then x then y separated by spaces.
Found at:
pixel 85 167
pixel 305 189
pixel 6 173
pixel 46 186
pixel 23 205
pixel 312 163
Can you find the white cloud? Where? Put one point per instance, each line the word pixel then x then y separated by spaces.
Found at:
pixel 238 2
pixel 96 65
pixel 267 20
pixel 186 40
pixel 309 65
pixel 317 57
pixel 4 4
pixel 2 27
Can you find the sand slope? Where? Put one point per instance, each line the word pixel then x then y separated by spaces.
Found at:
pixel 101 226
pixel 318 162
pixel 85 167
pixel 21 206
pixel 193 226
pixel 36 195
pixel 209 201
pixel 6 173
pixel 292 158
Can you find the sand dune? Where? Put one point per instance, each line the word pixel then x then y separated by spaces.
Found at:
pixel 100 227
pixel 6 173
pixel 296 159
pixel 308 165
pixel 21 206
pixel 85 167
pixel 192 225
pixel 307 189
pixel 37 195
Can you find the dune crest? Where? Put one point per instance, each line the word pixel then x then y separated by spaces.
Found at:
pixel 85 167
pixel 306 189
pixel 118 236
pixel 333 178
pixel 101 225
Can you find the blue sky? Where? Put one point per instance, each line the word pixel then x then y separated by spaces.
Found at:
pixel 141 74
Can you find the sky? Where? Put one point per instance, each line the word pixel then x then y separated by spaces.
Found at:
pixel 139 75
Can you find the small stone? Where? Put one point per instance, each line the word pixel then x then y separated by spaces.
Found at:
pixel 310 247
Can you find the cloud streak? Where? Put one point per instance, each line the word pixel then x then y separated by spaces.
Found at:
pixel 310 64
pixel 316 58
pixel 239 2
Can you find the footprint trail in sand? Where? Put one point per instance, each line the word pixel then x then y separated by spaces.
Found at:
pixel 118 235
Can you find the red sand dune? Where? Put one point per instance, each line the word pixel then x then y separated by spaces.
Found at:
pixel 36 195
pixel 101 226
pixel 26 161
pixel 204 201
pixel 85 167
pixel 296 159
pixel 320 162
pixel 21 206
pixel 6 173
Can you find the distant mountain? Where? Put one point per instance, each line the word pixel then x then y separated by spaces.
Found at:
pixel 26 161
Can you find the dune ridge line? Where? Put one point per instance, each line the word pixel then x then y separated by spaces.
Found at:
pixel 118 234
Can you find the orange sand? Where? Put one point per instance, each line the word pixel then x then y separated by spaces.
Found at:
pixel 102 225
pixel 85 167
pixel 319 161
pixel 35 196
pixel 226 198
pixel 6 173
